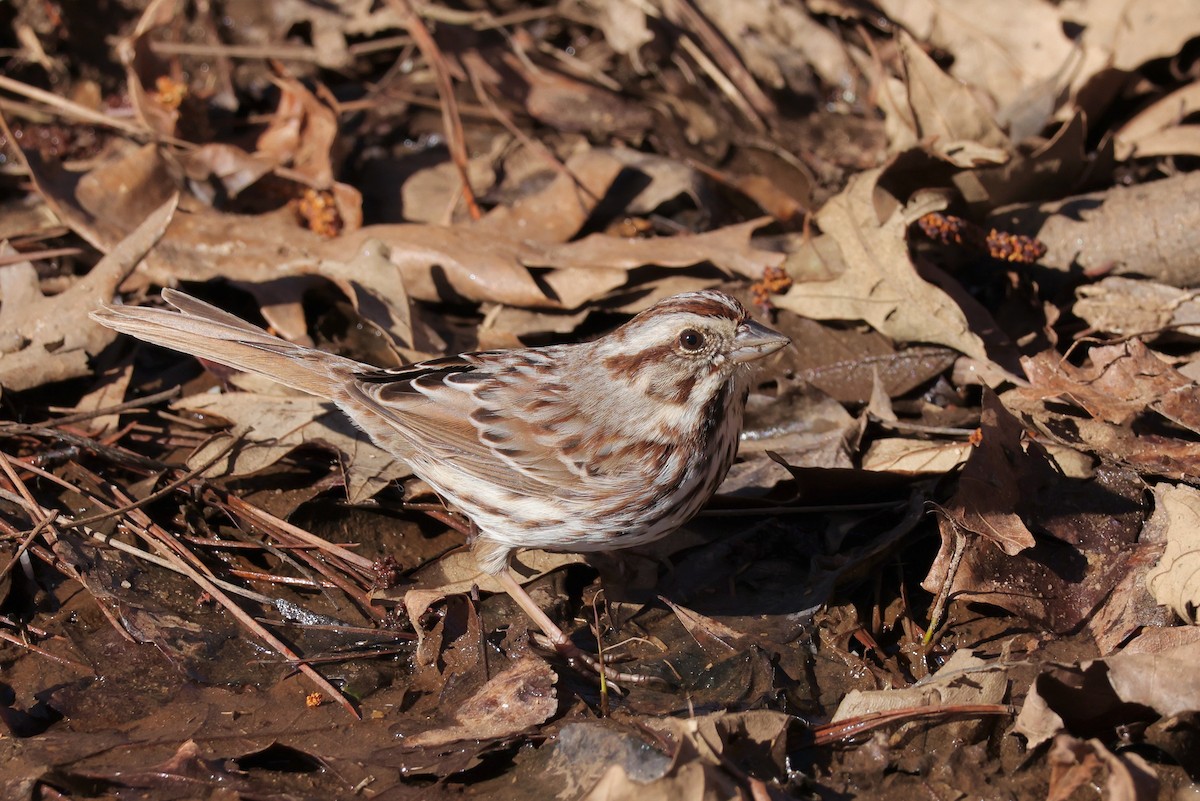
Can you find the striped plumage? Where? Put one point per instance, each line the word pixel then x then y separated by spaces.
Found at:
pixel 581 447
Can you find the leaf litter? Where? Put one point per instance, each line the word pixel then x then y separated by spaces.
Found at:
pixel 957 557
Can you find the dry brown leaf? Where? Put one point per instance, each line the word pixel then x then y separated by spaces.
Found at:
pixel 515 699
pixel 1148 452
pixel 730 249
pixel 661 179
pixel 445 263
pixel 623 23
pixel 874 278
pixel 46 339
pixel 568 104
pixel 898 371
pixel 948 119
pixel 1149 132
pixel 559 210
pixel 1166 682
pixel 963 679
pixel 1151 454
pixel 1127 610
pixel 714 638
pixel 110 200
pixel 804 426
pixel 915 456
pixel 29 216
pixel 1085 543
pixel 300 133
pixel 113 384
pixel 1123 382
pixel 1119 230
pixel 1138 307
pixel 236 169
pixel 1015 53
pixel 301 136
pixel 1159 639
pixel 1173 580
pixel 1066 698
pixel 754 741
pixel 433 194
pixel 780 43
pixel 1124 36
pixel 376 289
pixel 990 487
pixel 1130 607
pixel 458 572
pixel 437 263
pixel 1180 140
pixel 1036 169
pixel 1074 763
pixel 272 426
pixel 143 67
pixel 505 326
pixel 452 262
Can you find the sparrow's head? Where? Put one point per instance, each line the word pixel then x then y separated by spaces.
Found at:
pixel 684 349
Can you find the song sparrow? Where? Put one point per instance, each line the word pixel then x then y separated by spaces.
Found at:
pixel 582 447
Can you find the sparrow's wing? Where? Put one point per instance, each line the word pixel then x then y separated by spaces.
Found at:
pixel 493 417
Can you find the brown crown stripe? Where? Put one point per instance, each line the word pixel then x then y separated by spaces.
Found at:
pixel 727 307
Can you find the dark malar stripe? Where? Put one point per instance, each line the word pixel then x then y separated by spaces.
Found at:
pixel 714 413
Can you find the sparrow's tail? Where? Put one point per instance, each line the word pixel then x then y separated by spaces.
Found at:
pixel 210 333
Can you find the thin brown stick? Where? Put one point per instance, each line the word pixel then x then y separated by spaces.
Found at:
pixel 40 473
pixel 221 50
pixel 364 653
pixel 137 403
pixel 66 108
pixel 356 593
pixel 830 733
pixel 37 255
pixel 746 94
pixel 31 506
pixel 163 542
pixel 236 545
pixel 394 96
pixel 290 581
pixel 472 67
pixel 114 454
pixel 62 660
pixel 485 20
pixel 455 138
pixel 25 543
pixel 938 612
pixel 378 45
pixel 190 475
pixel 445 517
pixel 63 567
pixel 269 520
pixel 350 560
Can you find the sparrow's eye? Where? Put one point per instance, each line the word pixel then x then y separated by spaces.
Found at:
pixel 691 339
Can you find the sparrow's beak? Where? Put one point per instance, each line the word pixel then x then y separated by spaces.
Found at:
pixel 754 341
